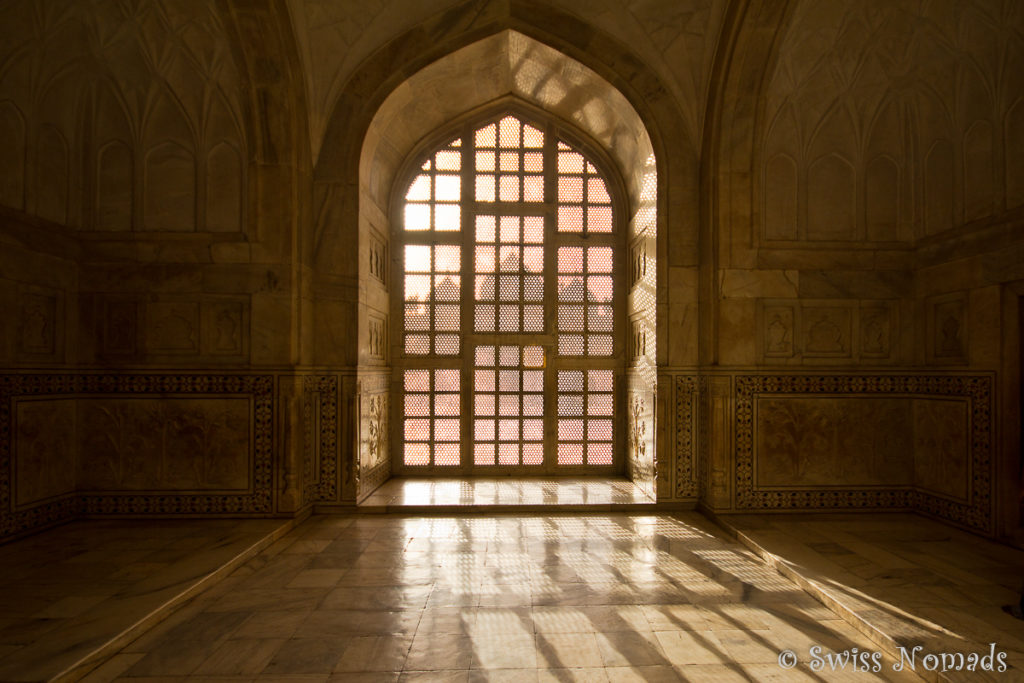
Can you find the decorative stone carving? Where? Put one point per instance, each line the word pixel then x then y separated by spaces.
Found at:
pixel 378 429
pixel 637 338
pixel 164 444
pixel 172 327
pixel 45 452
pixel 826 331
pixel 377 344
pixel 378 267
pixel 37 324
pixel 816 331
pixel 320 459
pixel 223 331
pixel 941 450
pixel 777 468
pixel 643 464
pixel 202 418
pixel 876 324
pixel 821 442
pixel 686 473
pixel 860 152
pixel 374 457
pixel 948 329
pixel 162 70
pixel 778 331
pixel 637 260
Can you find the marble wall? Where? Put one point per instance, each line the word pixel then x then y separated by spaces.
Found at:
pixel 155 443
pixel 829 441
pixel 825 235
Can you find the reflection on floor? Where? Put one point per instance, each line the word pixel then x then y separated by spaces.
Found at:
pixel 911 579
pixel 562 597
pixel 535 494
pixel 71 590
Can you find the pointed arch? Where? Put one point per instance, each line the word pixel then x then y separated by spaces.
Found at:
pixel 374 124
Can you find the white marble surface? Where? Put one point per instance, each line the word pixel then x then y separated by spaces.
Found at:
pixel 70 590
pixel 508 597
pixel 910 580
pixel 402 493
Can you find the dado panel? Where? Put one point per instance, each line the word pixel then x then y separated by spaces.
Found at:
pixel 195 444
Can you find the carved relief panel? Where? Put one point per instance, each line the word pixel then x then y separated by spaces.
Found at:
pixel 182 444
pixel 947 329
pixel 181 166
pixel 134 444
pixel 643 464
pixel 377 342
pixel 39 330
pixel 374 461
pixel 821 442
pixel 801 444
pixel 824 331
pixel 173 328
pixel 320 415
pixel 44 450
pixel 686 427
pixel 941 455
pixel 378 265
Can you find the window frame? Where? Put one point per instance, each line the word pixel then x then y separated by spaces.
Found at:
pixel 555 130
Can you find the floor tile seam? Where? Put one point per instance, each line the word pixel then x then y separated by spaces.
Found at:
pixel 834 603
pixel 112 646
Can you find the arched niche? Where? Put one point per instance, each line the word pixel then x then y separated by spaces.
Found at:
pixel 504 66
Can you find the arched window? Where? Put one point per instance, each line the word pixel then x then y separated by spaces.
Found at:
pixel 510 324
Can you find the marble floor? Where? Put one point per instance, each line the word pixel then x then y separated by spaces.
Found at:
pixel 420 494
pixel 911 580
pixel 504 597
pixel 75 594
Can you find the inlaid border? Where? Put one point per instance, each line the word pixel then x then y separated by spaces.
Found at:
pixel 686 403
pixel 977 389
pixel 320 393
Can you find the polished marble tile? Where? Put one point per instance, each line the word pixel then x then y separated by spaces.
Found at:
pixel 908 579
pixel 581 596
pixel 72 589
pixel 403 493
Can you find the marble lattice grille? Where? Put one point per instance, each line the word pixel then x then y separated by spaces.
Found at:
pixel 508 242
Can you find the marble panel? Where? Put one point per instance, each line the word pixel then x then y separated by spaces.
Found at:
pixel 374 430
pixel 224 328
pixel 827 331
pixel 163 444
pixel 826 442
pixel 643 465
pixel 686 437
pixel 842 441
pixel 941 453
pixel 947 329
pixel 39 323
pixel 320 416
pixel 44 450
pixel 171 328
